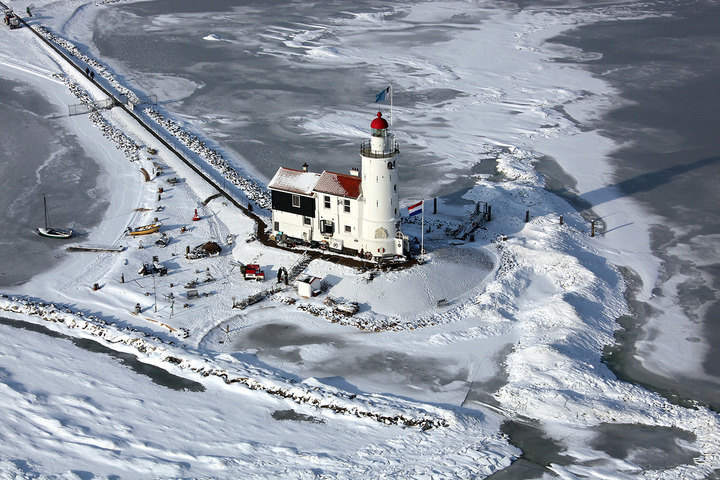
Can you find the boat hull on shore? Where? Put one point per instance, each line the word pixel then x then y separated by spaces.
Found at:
pixel 144 230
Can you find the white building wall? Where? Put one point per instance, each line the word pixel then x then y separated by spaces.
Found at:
pixel 336 213
pixel 293 225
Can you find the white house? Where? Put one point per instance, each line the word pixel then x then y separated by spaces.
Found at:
pixel 357 211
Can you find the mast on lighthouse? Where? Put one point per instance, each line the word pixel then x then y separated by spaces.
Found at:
pixel 381 218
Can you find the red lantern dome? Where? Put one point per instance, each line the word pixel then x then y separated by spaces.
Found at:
pixel 379 123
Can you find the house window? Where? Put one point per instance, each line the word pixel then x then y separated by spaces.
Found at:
pixel 347 206
pixel 296 200
pixel 348 229
pixel 306 221
pixel 327 201
pixel 277 226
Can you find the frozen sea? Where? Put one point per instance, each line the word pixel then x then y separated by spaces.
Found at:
pixel 248 78
pixel 666 69
pixel 40 156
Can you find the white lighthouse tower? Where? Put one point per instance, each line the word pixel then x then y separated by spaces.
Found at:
pixel 381 234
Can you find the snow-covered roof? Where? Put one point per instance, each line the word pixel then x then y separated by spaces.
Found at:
pixel 294 181
pixel 339 184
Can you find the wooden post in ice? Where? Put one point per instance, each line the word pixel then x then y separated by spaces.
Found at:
pixel 561 220
pixel 592 228
pixel 527 216
pixel 434 205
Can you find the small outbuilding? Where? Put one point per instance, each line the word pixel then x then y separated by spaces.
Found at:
pixel 308 286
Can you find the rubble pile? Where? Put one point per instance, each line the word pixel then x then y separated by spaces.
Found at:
pixel 375 323
pixel 122 141
pixel 252 190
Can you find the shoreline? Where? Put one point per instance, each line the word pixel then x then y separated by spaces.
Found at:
pixel 693 152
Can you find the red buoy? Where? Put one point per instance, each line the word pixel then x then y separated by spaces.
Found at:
pixel 196 217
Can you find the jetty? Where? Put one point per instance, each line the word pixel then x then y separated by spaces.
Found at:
pixel 96 248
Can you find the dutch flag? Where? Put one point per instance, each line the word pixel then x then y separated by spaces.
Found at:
pixel 415 209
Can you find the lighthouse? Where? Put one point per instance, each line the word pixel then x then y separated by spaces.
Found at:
pixel 355 213
pixel 381 218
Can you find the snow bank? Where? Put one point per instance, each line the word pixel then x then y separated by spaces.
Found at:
pixel 161 353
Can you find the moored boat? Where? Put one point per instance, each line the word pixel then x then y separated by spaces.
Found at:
pixel 48 231
pixel 54 232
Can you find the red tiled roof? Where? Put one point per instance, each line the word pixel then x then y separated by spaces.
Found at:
pixel 339 184
pixel 294 181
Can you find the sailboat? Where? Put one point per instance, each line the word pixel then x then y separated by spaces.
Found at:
pixel 49 231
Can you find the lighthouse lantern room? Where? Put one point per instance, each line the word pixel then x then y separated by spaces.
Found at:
pixel 358 212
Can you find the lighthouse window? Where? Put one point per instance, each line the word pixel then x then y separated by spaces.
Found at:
pixel 347 206
pixel 327 201
pixel 395 187
pixel 296 200
pixel 348 229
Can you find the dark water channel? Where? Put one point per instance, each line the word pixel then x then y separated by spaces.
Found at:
pixel 156 374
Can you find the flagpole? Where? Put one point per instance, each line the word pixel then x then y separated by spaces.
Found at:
pixel 422 232
pixel 391 105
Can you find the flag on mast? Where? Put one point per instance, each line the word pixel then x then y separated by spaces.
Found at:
pixel 415 209
pixel 382 95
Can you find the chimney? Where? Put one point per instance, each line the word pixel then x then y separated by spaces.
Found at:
pixel 354 171
pixel 305 167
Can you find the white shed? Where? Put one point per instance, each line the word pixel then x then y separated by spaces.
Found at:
pixel 308 285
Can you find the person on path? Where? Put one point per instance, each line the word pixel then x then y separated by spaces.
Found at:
pixel 87 71
pixel 92 75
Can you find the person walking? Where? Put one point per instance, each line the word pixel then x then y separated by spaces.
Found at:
pixel 92 75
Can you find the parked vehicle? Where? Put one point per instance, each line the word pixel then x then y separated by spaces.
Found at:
pixel 252 272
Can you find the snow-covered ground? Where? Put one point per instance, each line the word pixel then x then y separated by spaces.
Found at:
pixel 527 307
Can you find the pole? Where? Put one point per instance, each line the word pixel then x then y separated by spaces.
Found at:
pixel 422 232
pixel 391 104
pixel 45 210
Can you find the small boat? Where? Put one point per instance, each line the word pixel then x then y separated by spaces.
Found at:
pixel 50 232
pixel 144 230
